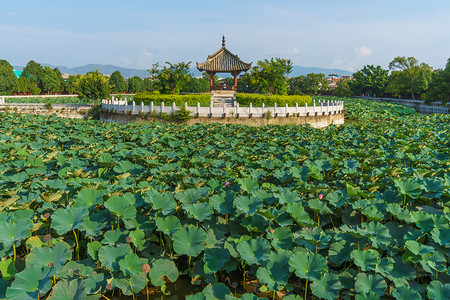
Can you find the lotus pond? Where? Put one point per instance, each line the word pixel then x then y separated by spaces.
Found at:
pixel 100 210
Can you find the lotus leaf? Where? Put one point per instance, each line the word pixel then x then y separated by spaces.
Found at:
pixel 438 291
pixel 189 240
pixel 163 202
pixel 275 274
pixel 215 259
pixel 307 265
pixel 67 219
pixel 337 198
pixel 247 204
pixel 199 211
pixel 327 287
pixel 366 283
pixel 56 256
pixel 110 256
pixel 32 282
pixel 163 268
pixel 298 213
pixel 406 293
pixel 123 207
pixel 409 187
pixel 7 268
pixel 254 251
pixel 87 198
pixel 367 260
pixel 74 289
pixel 130 286
pixel 122 166
pixel 281 238
pixel 217 291
pixel 131 264
pixel 423 220
pixel 168 225
pixel 12 232
pixel 248 184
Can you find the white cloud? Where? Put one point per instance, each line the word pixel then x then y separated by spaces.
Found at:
pixel 363 51
pixel 144 60
pixel 292 51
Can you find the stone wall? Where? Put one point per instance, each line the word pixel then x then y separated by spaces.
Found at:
pixel 73 111
pixel 318 121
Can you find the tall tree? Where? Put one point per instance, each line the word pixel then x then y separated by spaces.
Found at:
pixel 50 82
pixel 315 83
pixel 440 86
pixel 342 88
pixel 408 76
pixel 8 79
pixel 135 84
pixel 270 76
pixel 33 71
pixel 117 83
pixel 26 86
pixel 149 85
pixel 93 86
pixel 370 80
pixel 170 79
pixel 297 85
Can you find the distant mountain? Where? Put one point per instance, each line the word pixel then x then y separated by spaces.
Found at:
pixel 126 72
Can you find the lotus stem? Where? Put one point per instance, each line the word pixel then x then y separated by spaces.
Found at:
pixel 404 200
pixel 14 248
pixel 146 286
pixel 76 243
pixel 273 297
pixel 306 289
pixel 131 286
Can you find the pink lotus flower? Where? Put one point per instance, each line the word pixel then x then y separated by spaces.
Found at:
pixel 320 196
pixel 227 183
pixel 271 231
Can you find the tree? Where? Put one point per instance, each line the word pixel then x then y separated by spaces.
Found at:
pixel 408 76
pixel 8 79
pixel 440 86
pixel 342 88
pixel 117 83
pixel 297 85
pixel 72 83
pixel 270 76
pixel 315 82
pixel 149 85
pixel 26 86
pixel 135 84
pixel 171 78
pixel 33 71
pixel 370 80
pixel 50 82
pixel 93 86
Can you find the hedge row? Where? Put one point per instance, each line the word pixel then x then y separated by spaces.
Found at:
pixel 270 100
pixel 191 99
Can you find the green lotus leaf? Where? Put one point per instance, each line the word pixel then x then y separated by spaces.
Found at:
pixel 287 196
pixel 406 293
pixel 123 207
pixel 87 198
pixel 366 283
pixel 198 296
pixel 247 204
pixel 248 184
pixel 254 297
pixel 409 187
pixel 163 268
pixel 433 185
pixel 372 213
pixel 434 262
pixel 378 234
pixel 423 220
pixel 168 225
pixel 114 237
pixel 138 239
pixel 401 272
pixel 385 266
pixel 367 296
pixel 199 211
pixel 398 212
pixel 68 219
pixel 298 213
pixel 318 206
pixel 417 248
pixel 438 291
pixel 223 202
pixel 92 249
pixel 281 238
pixel 367 259
pixel 131 264
pixel 327 287
pixel 307 265
pixel 339 252
pixel 122 166
pixel 276 273
pixel 130 286
pixel 8 269
pixel 217 291
pixel 214 259
pixel 254 251
pixel 162 202
pixel 337 198
pixel 12 232
pixel 32 282
pixel 191 196
pixel 110 256
pixel 56 256
pixel 74 289
pixel 189 240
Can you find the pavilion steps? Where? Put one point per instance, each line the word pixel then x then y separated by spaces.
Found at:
pixel 221 99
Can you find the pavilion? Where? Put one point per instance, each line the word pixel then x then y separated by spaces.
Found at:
pixel 223 61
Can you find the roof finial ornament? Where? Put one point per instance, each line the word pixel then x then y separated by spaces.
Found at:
pixel 223 41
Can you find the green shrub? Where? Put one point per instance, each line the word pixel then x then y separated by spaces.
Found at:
pixel 270 100
pixel 182 114
pixel 191 99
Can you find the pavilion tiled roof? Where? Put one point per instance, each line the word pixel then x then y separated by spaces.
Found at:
pixel 223 61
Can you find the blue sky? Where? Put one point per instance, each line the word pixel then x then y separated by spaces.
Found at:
pixel 346 34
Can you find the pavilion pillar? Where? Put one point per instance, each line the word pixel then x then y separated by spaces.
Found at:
pixel 211 81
